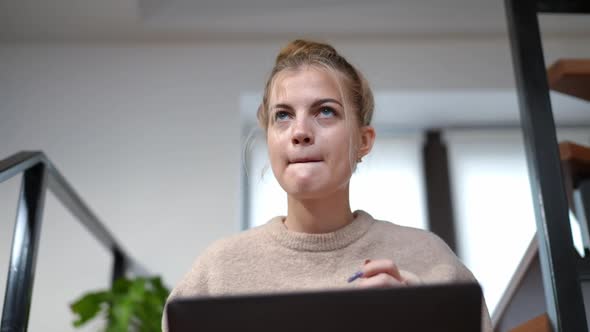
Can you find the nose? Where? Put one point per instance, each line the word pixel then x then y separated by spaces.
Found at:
pixel 302 133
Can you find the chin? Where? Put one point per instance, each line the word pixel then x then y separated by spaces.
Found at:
pixel 306 195
pixel 304 192
pixel 307 190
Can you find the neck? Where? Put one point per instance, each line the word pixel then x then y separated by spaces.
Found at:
pixel 321 215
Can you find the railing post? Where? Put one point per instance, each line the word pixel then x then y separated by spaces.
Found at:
pixel 119 265
pixel 23 256
pixel 441 220
pixel 582 205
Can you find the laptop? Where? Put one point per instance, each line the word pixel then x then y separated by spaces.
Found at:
pixel 443 307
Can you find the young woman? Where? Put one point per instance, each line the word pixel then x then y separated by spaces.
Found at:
pixel 316 113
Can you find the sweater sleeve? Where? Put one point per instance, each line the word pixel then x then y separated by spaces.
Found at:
pixel 451 269
pixel 194 283
pixel 486 322
pixel 464 274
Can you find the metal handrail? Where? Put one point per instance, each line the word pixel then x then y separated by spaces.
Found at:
pixel 38 174
pixel 561 280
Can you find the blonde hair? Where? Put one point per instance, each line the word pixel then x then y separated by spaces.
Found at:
pixel 299 53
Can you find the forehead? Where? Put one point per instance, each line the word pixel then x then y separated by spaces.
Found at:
pixel 306 83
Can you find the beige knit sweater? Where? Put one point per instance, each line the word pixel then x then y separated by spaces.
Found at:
pixel 270 258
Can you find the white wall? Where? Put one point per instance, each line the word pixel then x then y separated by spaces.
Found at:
pixel 149 135
pixel 492 201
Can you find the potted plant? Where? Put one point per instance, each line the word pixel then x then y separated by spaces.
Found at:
pixel 130 305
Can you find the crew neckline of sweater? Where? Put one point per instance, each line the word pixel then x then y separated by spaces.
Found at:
pixel 324 241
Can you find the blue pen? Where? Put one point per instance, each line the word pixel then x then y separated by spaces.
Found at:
pixel 355 276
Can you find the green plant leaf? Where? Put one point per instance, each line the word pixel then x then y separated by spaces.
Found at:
pixel 130 305
pixel 121 286
pixel 120 313
pixel 160 289
pixel 88 306
pixel 137 290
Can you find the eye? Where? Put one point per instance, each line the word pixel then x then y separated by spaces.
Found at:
pixel 327 112
pixel 281 115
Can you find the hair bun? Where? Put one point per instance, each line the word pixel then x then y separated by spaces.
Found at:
pixel 305 48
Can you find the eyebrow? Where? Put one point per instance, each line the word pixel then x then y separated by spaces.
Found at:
pixel 315 103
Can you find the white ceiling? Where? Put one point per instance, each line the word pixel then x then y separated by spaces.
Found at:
pixel 157 20
pixel 182 19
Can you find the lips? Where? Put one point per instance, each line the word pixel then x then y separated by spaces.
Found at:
pixel 303 160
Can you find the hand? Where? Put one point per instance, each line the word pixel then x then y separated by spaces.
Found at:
pixel 381 273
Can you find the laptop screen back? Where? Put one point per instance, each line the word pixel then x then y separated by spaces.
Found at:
pixel 448 307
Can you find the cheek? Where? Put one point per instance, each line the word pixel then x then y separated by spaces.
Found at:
pixel 343 146
pixel 340 157
pixel 275 156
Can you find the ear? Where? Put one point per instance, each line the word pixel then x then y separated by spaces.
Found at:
pixel 366 140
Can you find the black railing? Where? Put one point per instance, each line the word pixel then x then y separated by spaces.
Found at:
pixel 39 174
pixel 559 264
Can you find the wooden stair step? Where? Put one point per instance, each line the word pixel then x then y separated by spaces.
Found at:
pixel 538 324
pixel 577 159
pixel 570 76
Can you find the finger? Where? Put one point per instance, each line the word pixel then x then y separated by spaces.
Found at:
pixel 381 280
pixel 375 267
pixel 409 278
